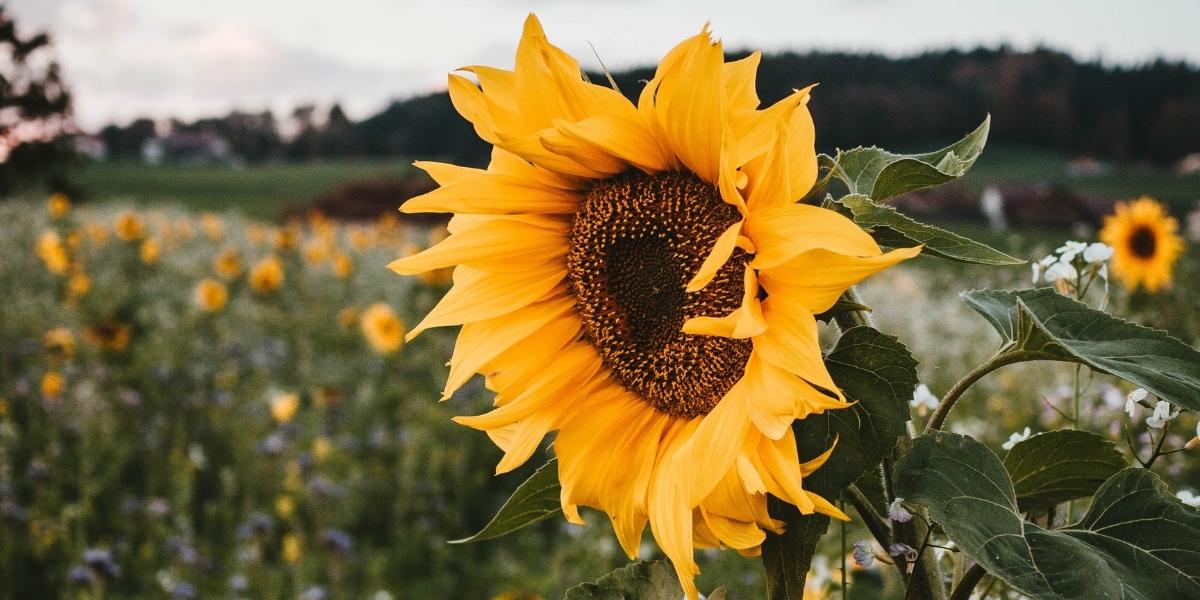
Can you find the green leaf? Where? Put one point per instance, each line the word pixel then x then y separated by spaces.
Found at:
pixel 1054 327
pixel 880 174
pixel 1135 542
pixel 535 500
pixel 1056 466
pixel 653 580
pixel 890 228
pixel 877 373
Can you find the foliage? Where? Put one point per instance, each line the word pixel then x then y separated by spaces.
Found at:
pixel 35 108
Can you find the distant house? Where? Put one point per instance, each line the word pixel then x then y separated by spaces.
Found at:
pixel 188 148
pixel 91 146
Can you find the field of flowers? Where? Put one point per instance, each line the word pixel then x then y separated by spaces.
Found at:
pixel 199 406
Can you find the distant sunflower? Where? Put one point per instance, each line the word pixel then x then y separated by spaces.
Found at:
pixel 642 280
pixel 108 335
pixel 383 330
pixel 267 275
pixel 210 295
pixel 1145 245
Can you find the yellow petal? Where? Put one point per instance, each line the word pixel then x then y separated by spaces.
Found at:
pixel 688 102
pixel 802 154
pixel 479 295
pixel 815 279
pixel 769 181
pixel 493 193
pixel 445 173
pixel 716 259
pixel 783 231
pixel 716 443
pixel 735 534
pixel 562 378
pixel 745 321
pixel 509 373
pixel 755 132
pixel 581 151
pixel 625 138
pixel 781 464
pixel 739 78
pixel 495 246
pixel 791 342
pixel 481 341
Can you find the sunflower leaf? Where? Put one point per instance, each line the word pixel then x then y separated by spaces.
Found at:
pixel 877 373
pixel 654 580
pixel 1136 541
pixel 1052 326
pixel 1062 465
pixel 534 500
pixel 890 228
pixel 880 174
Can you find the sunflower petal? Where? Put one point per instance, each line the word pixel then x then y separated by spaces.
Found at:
pixel 624 138
pixel 739 78
pixel 479 295
pixel 791 342
pixel 481 341
pixel 716 259
pixel 493 193
pixel 689 104
pixel 781 232
pixel 495 246
pixel 744 322
pixel 739 535
pixel 815 279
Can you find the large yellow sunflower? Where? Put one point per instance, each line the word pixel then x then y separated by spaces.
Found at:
pixel 1145 245
pixel 642 280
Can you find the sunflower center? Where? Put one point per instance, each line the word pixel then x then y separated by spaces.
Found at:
pixel 1142 242
pixel 635 243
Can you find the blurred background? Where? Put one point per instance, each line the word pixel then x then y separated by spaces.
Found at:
pixel 203 386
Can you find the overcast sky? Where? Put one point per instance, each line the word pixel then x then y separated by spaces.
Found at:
pixel 126 58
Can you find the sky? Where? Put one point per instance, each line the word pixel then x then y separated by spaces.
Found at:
pixel 183 58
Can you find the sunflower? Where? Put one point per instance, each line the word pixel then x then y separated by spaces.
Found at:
pixel 1145 245
pixel 382 328
pixel 149 251
pixel 53 253
pixel 267 275
pixel 210 295
pixel 59 343
pixel 284 406
pixel 52 384
pixel 58 205
pixel 228 264
pixel 108 335
pixel 641 279
pixel 129 227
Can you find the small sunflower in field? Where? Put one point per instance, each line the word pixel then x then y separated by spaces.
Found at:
pixel 59 343
pixel 284 406
pixel 150 251
pixel 78 284
pixel 228 264
pixel 53 253
pixel 348 317
pixel 109 335
pixel 316 251
pixel 52 384
pixel 129 227
pixel 212 226
pixel 210 295
pixel 97 233
pixel 1145 243
pixel 642 279
pixel 342 265
pixel 292 549
pixel 381 327
pixel 58 205
pixel 266 275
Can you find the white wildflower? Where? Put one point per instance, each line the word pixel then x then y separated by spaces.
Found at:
pixel 1015 438
pixel 1097 252
pixel 1070 250
pixel 1189 498
pixel 1132 400
pixel 1061 270
pixel 864 553
pixel 923 399
pixel 1041 265
pixel 898 513
pixel 1162 415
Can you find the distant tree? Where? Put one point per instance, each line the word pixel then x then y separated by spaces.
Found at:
pixel 35 110
pixel 125 143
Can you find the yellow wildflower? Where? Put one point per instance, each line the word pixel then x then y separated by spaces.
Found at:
pixel 129 227
pixel 267 275
pixel 52 384
pixel 228 264
pixel 150 251
pixel 291 548
pixel 59 342
pixel 52 252
pixel 108 335
pixel 78 284
pixel 284 406
pixel 342 265
pixel 321 448
pixel 58 205
pixel 212 226
pixel 348 317
pixel 382 328
pixel 210 295
pixel 285 506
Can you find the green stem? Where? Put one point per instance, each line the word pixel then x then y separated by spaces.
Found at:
pixel 938 418
pixel 967 584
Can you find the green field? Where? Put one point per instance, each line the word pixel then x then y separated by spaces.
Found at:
pixel 261 191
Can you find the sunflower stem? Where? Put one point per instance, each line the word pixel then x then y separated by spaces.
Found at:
pixel 938 418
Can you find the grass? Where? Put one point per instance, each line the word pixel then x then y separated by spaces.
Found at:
pixel 263 191
pixel 260 191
